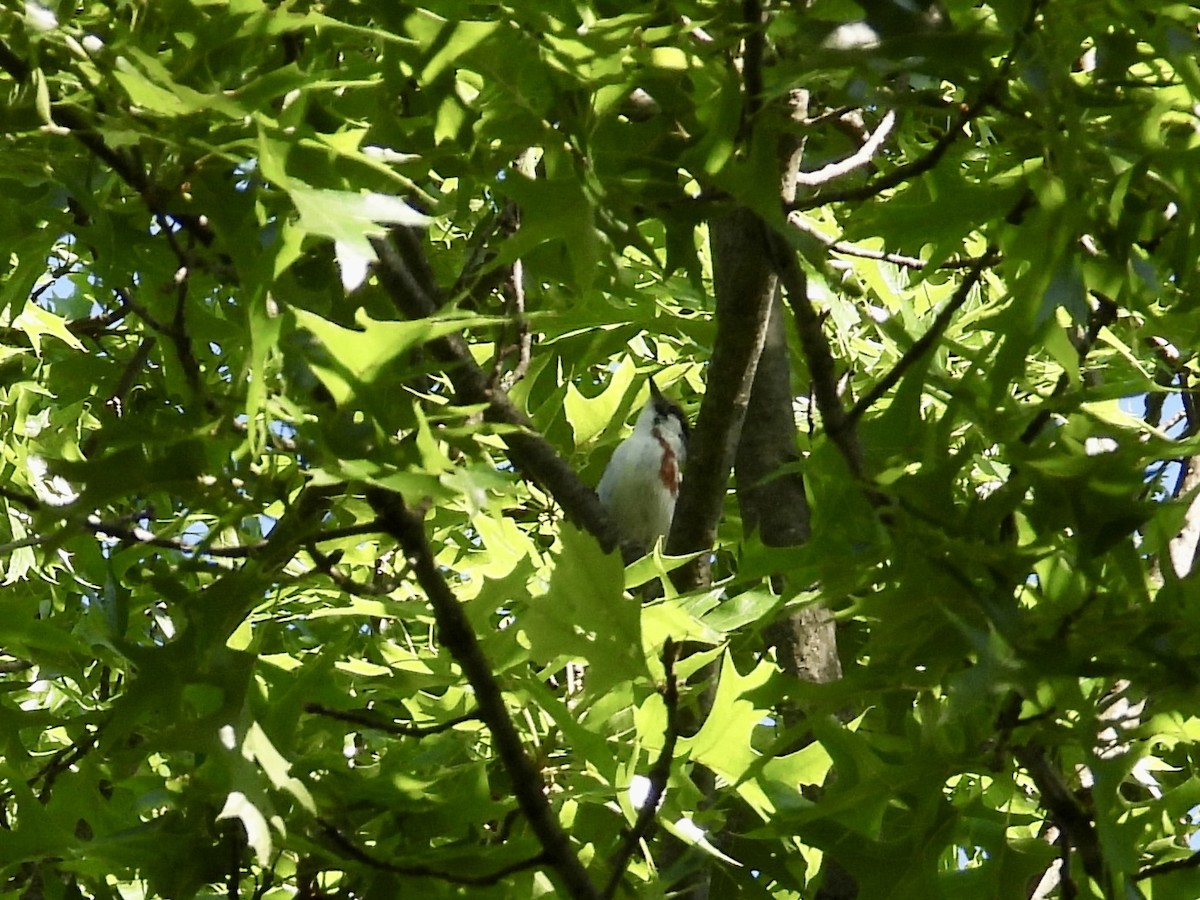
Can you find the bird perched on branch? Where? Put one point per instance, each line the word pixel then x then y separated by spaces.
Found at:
pixel 641 483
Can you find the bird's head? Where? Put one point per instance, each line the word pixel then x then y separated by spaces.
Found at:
pixel 663 417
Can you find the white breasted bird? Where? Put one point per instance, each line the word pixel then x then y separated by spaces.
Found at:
pixel 641 483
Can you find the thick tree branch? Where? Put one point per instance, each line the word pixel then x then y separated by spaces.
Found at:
pixel 773 502
pixel 457 636
pixel 753 59
pixel 745 289
pixel 770 487
pixel 21 499
pixel 403 272
pixel 1070 817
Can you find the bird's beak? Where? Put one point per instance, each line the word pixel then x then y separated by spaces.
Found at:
pixel 654 391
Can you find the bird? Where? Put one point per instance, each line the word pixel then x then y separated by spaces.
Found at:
pixel 641 482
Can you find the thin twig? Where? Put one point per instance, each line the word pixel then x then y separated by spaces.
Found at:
pixel 33 540
pixel 374 721
pixel 349 848
pixel 660 772
pixel 60 762
pixel 925 342
pixel 134 534
pixel 63 269
pixel 1174 865
pixel 898 175
pixel 77 124
pixel 325 565
pixel 861 157
pixel 968 112
pixel 178 333
pixel 116 400
pixel 845 248
pixel 140 311
pixel 1103 315
pixel 822 369
pixel 374 526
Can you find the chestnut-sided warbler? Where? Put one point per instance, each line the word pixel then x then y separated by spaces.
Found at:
pixel 641 482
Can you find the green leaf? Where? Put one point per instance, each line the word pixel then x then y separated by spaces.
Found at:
pixel 38 323
pixel 351 219
pixel 257 747
pixel 357 358
pixel 585 615
pixel 589 416
pixel 723 742
pixel 448 39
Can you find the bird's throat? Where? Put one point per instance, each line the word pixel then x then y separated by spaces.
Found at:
pixel 668 470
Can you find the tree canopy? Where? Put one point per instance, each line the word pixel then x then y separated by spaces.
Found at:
pixel 320 319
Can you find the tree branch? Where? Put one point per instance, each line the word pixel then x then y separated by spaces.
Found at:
pixel 136 535
pixel 403 273
pixel 325 565
pixel 1174 865
pixel 1070 817
pixel 24 500
pixel 752 59
pixel 660 772
pixel 845 248
pixel 456 635
pixel 898 175
pixel 349 848
pixel 822 370
pixel 225 602
pixel 375 722
pixel 968 112
pixel 926 341
pixel 1103 314
pixel 856 160
pixel 745 289
pixel 60 762
pixel 76 124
